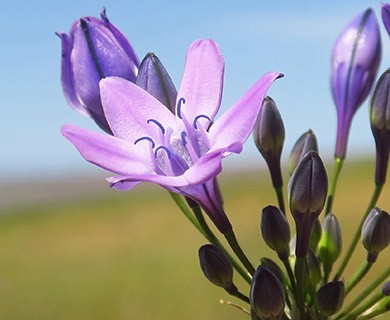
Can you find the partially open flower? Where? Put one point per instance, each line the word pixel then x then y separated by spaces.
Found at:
pixel 308 187
pixel 269 134
pixel 267 296
pixel 330 298
pixel 355 60
pixel 276 231
pixel 380 125
pixel 304 144
pixel 376 233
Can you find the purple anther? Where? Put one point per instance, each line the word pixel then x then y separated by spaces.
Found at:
pixel 145 138
pixel 165 148
pixel 198 117
pixel 183 138
pixel 178 108
pixel 158 124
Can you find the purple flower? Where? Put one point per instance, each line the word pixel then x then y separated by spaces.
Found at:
pixel 386 16
pixel 355 61
pixel 95 49
pixel 182 152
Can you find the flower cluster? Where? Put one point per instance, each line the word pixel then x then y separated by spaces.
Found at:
pixel 156 133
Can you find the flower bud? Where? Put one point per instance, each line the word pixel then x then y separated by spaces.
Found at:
pixel 315 236
pixel 307 189
pixel 380 125
pixel 269 134
pixel 154 78
pixel 267 294
pixel 216 267
pixel 386 288
pixel 275 269
pixel 330 245
pixel 312 273
pixel 304 144
pixel 276 231
pixel 386 16
pixel 355 60
pixel 330 298
pixel 95 49
pixel 376 233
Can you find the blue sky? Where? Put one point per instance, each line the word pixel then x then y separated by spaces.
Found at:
pixel 294 37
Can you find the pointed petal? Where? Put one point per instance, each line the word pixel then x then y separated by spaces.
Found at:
pixel 232 129
pixel 128 108
pixel 202 82
pixel 108 152
pixel 67 80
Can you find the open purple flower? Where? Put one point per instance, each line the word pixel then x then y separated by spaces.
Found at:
pixel 355 61
pixel 94 49
pixel 181 152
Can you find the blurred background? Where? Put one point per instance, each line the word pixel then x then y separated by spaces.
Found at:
pixel 70 248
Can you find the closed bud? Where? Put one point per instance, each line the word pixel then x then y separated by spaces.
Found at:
pixel 330 245
pixel 315 236
pixel 154 78
pixel 269 135
pixel 386 16
pixel 330 298
pixel 380 125
pixel 217 267
pixel 276 231
pixel 304 144
pixel 355 60
pixel 376 233
pixel 386 288
pixel 312 275
pixel 267 295
pixel 307 189
pixel 95 49
pixel 275 269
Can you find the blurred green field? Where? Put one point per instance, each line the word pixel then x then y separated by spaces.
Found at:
pixel 134 256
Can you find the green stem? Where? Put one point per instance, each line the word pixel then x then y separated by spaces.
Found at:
pixel 338 165
pixel 279 195
pixel 214 240
pixel 187 212
pixel 366 292
pixel 355 240
pixel 358 276
pixel 299 271
pixel 241 296
pixel 380 308
pixel 232 240
pixel 290 274
pixel 374 299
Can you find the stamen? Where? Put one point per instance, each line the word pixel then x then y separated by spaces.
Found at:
pixel 166 150
pixel 183 138
pixel 145 138
pixel 158 124
pixel 198 117
pixel 178 107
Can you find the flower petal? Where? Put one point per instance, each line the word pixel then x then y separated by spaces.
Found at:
pixel 108 152
pixel 202 82
pixel 67 75
pixel 232 129
pixel 128 109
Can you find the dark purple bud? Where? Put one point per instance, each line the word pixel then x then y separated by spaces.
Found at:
pixel 355 60
pixel 304 144
pixel 376 233
pixel 217 267
pixel 330 298
pixel 380 125
pixel 269 134
pixel 275 269
pixel 267 294
pixel 330 245
pixel 386 16
pixel 315 236
pixel 312 273
pixel 254 315
pixel 276 231
pixel 307 189
pixel 386 288
pixel 154 78
pixel 95 49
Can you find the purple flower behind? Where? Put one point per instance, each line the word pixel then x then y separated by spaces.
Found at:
pixel 93 50
pixel 355 61
pixel 181 151
pixel 386 16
